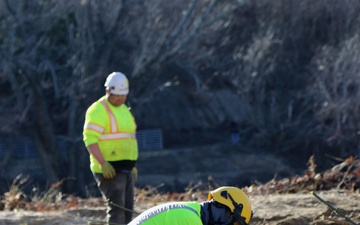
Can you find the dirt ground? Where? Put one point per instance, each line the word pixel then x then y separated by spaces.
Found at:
pixel 288 209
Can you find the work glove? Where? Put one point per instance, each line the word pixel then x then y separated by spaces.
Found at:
pixel 107 170
pixel 135 173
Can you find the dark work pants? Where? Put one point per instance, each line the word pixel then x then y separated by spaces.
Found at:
pixel 119 193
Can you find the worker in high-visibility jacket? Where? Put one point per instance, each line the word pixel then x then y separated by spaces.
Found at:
pixel 225 206
pixel 109 135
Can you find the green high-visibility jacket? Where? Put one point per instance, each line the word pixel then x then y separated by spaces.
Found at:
pixel 174 213
pixel 114 129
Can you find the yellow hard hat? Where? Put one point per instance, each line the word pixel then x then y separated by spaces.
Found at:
pixel 236 200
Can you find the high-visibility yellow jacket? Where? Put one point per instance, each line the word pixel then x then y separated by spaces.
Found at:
pixel 175 213
pixel 114 129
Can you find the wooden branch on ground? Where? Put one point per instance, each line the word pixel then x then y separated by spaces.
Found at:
pixel 333 208
pixel 334 220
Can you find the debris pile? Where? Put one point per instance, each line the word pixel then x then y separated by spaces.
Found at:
pixel 345 176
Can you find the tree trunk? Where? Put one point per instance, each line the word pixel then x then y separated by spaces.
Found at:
pixel 72 153
pixel 43 135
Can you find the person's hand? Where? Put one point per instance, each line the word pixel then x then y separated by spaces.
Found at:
pixel 135 173
pixel 108 170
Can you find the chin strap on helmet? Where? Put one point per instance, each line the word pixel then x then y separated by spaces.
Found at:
pixel 236 217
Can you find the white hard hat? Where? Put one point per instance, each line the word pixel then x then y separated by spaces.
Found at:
pixel 117 83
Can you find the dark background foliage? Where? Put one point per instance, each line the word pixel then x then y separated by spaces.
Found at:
pixel 287 72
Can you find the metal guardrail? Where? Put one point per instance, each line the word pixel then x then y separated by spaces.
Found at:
pixel 151 139
pixel 20 147
pixel 23 147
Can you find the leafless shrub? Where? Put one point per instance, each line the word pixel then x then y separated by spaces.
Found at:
pixel 336 89
pixel 56 53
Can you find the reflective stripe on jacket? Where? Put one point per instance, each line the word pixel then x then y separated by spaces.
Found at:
pixel 175 213
pixel 114 129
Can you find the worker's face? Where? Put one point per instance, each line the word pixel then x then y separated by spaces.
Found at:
pixel 116 100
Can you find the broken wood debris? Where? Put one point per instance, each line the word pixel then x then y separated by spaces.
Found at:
pixel 344 176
